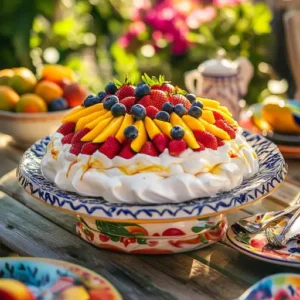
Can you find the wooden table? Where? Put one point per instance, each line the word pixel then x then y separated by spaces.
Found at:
pixel 30 228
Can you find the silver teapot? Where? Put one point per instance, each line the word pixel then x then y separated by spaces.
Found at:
pixel 221 79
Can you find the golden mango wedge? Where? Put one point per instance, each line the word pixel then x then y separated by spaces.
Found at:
pixel 82 113
pixel 85 120
pixel 224 115
pixel 208 116
pixel 127 121
pixel 225 110
pixel 165 127
pixel 216 131
pixel 96 131
pixel 176 120
pixel 110 130
pixel 75 110
pixel 151 128
pixel 94 123
pixel 193 123
pixel 209 102
pixel 141 139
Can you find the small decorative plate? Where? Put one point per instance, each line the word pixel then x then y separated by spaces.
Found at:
pixel 254 245
pixel 53 279
pixel 272 170
pixel 280 286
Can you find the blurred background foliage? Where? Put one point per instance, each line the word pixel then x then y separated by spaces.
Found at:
pixel 101 38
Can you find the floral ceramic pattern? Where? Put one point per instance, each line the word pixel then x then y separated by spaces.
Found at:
pixel 283 286
pixel 254 245
pixel 271 173
pixel 159 238
pixel 51 279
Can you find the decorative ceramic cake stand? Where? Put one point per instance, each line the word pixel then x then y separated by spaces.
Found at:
pixel 154 229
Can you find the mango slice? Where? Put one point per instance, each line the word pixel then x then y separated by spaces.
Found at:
pixel 151 128
pixel 216 131
pixel 82 113
pixel 224 115
pixel 225 110
pixel 141 139
pixel 94 123
pixel 85 120
pixel 208 116
pixel 209 102
pixel 95 132
pixel 110 130
pixel 127 121
pixel 165 127
pixel 176 120
pixel 193 123
pixel 75 110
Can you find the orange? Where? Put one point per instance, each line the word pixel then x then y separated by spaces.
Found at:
pixel 8 98
pixel 57 73
pixel 48 90
pixel 31 103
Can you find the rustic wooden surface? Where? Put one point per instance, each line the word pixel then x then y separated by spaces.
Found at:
pixel 30 228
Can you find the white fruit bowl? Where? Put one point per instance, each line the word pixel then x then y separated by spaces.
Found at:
pixel 27 128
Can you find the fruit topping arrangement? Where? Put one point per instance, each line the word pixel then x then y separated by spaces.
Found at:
pixel 146 118
pixel 22 92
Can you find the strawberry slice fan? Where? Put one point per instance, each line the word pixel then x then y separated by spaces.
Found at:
pixel 149 168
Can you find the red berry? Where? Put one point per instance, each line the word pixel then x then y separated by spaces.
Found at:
pixel 217 116
pixel 161 141
pixel 151 111
pixel 67 138
pixel 223 125
pixel 111 147
pixel 177 146
pixel 125 91
pixel 158 98
pixel 166 87
pixel 89 148
pixel 76 148
pixel 103 238
pixel 126 151
pixel 145 101
pixel 128 102
pixel 66 128
pixel 201 147
pixel 79 135
pixel 220 142
pixel 149 149
pixel 179 99
pixel 207 139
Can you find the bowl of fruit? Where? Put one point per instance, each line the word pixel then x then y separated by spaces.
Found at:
pixel 31 108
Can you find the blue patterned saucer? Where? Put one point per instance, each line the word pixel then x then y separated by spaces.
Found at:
pixel 272 170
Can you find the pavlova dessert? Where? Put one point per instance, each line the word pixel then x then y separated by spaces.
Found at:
pixel 149 143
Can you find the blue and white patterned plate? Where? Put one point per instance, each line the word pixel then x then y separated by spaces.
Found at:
pixel 272 170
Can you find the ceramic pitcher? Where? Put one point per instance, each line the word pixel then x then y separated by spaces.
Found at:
pixel 221 79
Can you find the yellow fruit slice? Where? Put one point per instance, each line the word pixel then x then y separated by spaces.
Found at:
pixel 110 130
pixel 85 120
pixel 95 132
pixel 225 110
pixel 151 128
pixel 208 116
pixel 76 110
pixel 94 123
pixel 216 131
pixel 193 123
pixel 82 113
pixel 209 102
pixel 165 127
pixel 224 115
pixel 127 121
pixel 141 139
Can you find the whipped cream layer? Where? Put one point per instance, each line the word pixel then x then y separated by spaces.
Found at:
pixel 147 179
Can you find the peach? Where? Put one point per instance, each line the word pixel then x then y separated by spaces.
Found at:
pixel 8 98
pixel 75 94
pixel 57 72
pixel 23 81
pixel 48 90
pixel 11 289
pixel 31 103
pixel 5 76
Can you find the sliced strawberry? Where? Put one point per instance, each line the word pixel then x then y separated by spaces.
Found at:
pixel 111 147
pixel 66 128
pixel 79 135
pixel 207 139
pixel 177 146
pixel 125 91
pixel 220 142
pixel 201 147
pixel 67 138
pixel 166 87
pixel 158 98
pixel 145 101
pixel 223 125
pixel 179 99
pixel 217 116
pixel 149 149
pixel 126 151
pixel 151 111
pixel 76 148
pixel 161 141
pixel 128 102
pixel 89 148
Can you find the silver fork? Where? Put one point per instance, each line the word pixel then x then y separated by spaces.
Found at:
pixel 279 240
pixel 253 227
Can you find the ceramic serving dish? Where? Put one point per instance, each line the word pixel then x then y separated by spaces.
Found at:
pixel 93 211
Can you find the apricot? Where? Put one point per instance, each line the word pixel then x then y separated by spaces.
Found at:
pixel 23 81
pixel 48 90
pixel 75 94
pixel 8 98
pixel 31 103
pixel 57 72
pixel 5 76
pixel 11 289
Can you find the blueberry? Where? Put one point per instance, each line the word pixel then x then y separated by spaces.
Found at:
pixel 58 104
pixel 138 112
pixel 177 132
pixel 91 100
pixel 140 83
pixel 197 103
pixel 118 110
pixel 110 101
pixel 162 116
pixel 131 132
pixel 111 88
pixel 168 107
pixel 191 97
pixel 180 110
pixel 142 90
pixel 195 111
pixel 101 95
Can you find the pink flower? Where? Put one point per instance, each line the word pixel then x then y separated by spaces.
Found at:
pixel 222 3
pixel 201 15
